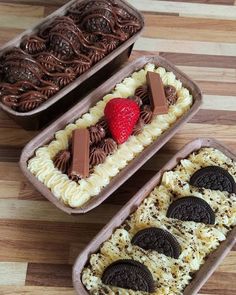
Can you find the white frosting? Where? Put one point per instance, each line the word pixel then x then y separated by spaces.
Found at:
pixel 75 194
pixel 197 240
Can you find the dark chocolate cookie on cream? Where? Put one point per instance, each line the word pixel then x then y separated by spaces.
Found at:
pixel 129 274
pixel 214 178
pixel 157 239
pixel 191 209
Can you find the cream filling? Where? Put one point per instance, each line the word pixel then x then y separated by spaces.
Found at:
pixel 75 194
pixel 197 240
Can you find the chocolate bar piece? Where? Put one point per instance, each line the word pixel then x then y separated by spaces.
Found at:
pixel 157 94
pixel 80 151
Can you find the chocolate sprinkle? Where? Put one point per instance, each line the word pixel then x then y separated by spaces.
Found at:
pixel 157 239
pixel 129 274
pixel 214 178
pixel 191 209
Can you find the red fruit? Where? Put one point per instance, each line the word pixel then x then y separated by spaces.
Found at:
pixel 121 115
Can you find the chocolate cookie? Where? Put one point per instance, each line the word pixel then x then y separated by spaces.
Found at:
pixel 214 178
pixel 129 274
pixel 157 239
pixel 191 209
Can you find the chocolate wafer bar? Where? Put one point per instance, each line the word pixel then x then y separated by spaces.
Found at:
pixel 80 151
pixel 157 94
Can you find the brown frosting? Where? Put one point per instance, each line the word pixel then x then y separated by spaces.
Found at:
pixel 142 92
pixel 97 156
pixel 62 160
pixel 33 44
pixel 90 30
pixel 137 99
pixel 50 62
pixel 108 145
pixel 97 133
pixel 171 94
pixel 64 78
pixel 30 100
pixel 146 114
pixel 106 18
pixel 103 123
pixel 110 43
pixel 96 56
pixel 138 128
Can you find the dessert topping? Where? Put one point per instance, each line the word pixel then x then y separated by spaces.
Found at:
pixel 122 115
pixel 146 114
pixel 157 94
pixel 171 94
pixel 80 154
pixel 108 145
pixel 97 156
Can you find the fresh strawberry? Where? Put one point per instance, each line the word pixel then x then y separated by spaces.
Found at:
pixel 121 115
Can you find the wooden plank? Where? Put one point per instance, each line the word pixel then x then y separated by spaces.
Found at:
pixel 8 290
pixel 21 10
pixel 12 273
pixel 13 21
pixel 184 28
pixel 212 88
pixel 43 274
pixel 201 60
pixel 215 117
pixel 210 74
pixel 45 211
pixel 224 2
pixel 221 284
pixel 218 102
pixel 183 46
pixel 186 9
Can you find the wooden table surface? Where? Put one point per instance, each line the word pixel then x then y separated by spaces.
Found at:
pixel 38 243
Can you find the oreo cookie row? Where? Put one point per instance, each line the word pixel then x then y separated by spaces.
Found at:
pixel 133 275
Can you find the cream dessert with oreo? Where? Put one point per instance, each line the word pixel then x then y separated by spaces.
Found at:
pixel 160 246
pixel 120 126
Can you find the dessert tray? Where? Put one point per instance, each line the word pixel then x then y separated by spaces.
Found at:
pixel 110 159
pixel 51 66
pixel 170 237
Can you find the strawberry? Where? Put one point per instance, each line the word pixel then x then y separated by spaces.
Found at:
pixel 121 115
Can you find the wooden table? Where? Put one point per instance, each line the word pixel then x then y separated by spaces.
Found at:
pixel 38 243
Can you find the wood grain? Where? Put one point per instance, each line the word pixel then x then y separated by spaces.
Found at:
pixel 38 243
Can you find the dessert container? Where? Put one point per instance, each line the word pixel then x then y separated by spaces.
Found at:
pixel 77 89
pixel 47 135
pixel 212 261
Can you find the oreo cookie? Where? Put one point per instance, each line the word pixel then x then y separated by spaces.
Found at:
pixel 157 239
pixel 214 178
pixel 129 274
pixel 191 209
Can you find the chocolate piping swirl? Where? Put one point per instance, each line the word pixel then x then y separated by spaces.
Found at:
pixel 142 92
pixel 62 161
pixel 171 94
pixel 97 156
pixel 146 114
pixel 97 133
pixel 33 44
pixel 108 146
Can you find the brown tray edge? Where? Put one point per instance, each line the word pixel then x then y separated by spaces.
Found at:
pixel 135 164
pixel 213 259
pixel 16 41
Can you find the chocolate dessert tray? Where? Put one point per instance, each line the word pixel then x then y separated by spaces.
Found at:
pixel 164 241
pixel 50 67
pixel 106 161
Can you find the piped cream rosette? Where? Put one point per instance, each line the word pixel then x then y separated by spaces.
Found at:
pixel 75 194
pixel 197 240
